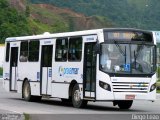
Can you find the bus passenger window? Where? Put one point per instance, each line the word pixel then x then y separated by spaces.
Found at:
pixel 75 49
pixel 24 52
pixel 61 49
pixel 7 52
pixel 33 51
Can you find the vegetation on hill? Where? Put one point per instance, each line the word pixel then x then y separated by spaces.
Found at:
pixel 20 18
pixel 62 20
pixel 28 17
pixel 16 20
pixel 1 71
pixel 142 14
pixel 12 23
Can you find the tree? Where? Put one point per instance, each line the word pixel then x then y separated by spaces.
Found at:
pixel 27 11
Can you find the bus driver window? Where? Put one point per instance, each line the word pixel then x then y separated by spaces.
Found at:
pixel 104 59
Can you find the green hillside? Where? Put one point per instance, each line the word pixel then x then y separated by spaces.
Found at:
pixel 144 14
pixel 28 17
pixel 20 18
pixel 11 22
pixel 17 23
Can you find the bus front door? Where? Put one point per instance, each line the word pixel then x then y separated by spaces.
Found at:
pixel 46 69
pixel 89 71
pixel 13 68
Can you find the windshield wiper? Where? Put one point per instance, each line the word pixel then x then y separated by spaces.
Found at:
pixel 136 54
pixel 121 51
pixel 135 59
pixel 139 51
pixel 125 55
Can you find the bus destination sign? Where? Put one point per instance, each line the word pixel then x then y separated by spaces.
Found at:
pixel 128 35
pixel 121 35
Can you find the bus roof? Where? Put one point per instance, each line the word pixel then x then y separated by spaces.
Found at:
pixel 47 35
pixel 53 35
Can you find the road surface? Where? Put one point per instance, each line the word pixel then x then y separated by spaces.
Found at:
pixel 53 108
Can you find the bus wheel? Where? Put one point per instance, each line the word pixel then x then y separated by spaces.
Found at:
pixel 27 91
pixel 125 104
pixel 76 98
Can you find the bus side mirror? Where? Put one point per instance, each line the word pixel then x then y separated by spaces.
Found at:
pixel 97 48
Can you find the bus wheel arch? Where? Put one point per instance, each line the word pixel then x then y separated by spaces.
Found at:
pixel 26 90
pixel 72 84
pixel 25 80
pixel 76 98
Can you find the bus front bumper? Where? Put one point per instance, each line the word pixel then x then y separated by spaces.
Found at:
pixel 151 96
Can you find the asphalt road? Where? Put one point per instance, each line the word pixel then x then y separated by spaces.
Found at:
pixel 54 109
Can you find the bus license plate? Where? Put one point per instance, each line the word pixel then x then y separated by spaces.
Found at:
pixel 130 97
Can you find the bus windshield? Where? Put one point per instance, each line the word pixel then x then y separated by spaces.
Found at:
pixel 127 58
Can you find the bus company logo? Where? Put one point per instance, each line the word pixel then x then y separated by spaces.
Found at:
pixel 69 71
pixel 61 71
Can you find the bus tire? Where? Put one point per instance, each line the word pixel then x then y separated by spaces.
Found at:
pixel 26 92
pixel 76 98
pixel 125 104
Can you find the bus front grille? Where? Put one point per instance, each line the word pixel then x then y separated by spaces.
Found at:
pixel 139 87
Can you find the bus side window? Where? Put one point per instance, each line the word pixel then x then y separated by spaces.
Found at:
pixel 75 49
pixel 7 52
pixel 61 49
pixel 24 52
pixel 33 51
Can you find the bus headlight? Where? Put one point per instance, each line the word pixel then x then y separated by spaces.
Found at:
pixel 104 85
pixel 153 87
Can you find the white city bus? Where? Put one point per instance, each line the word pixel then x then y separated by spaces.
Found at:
pixel 117 65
